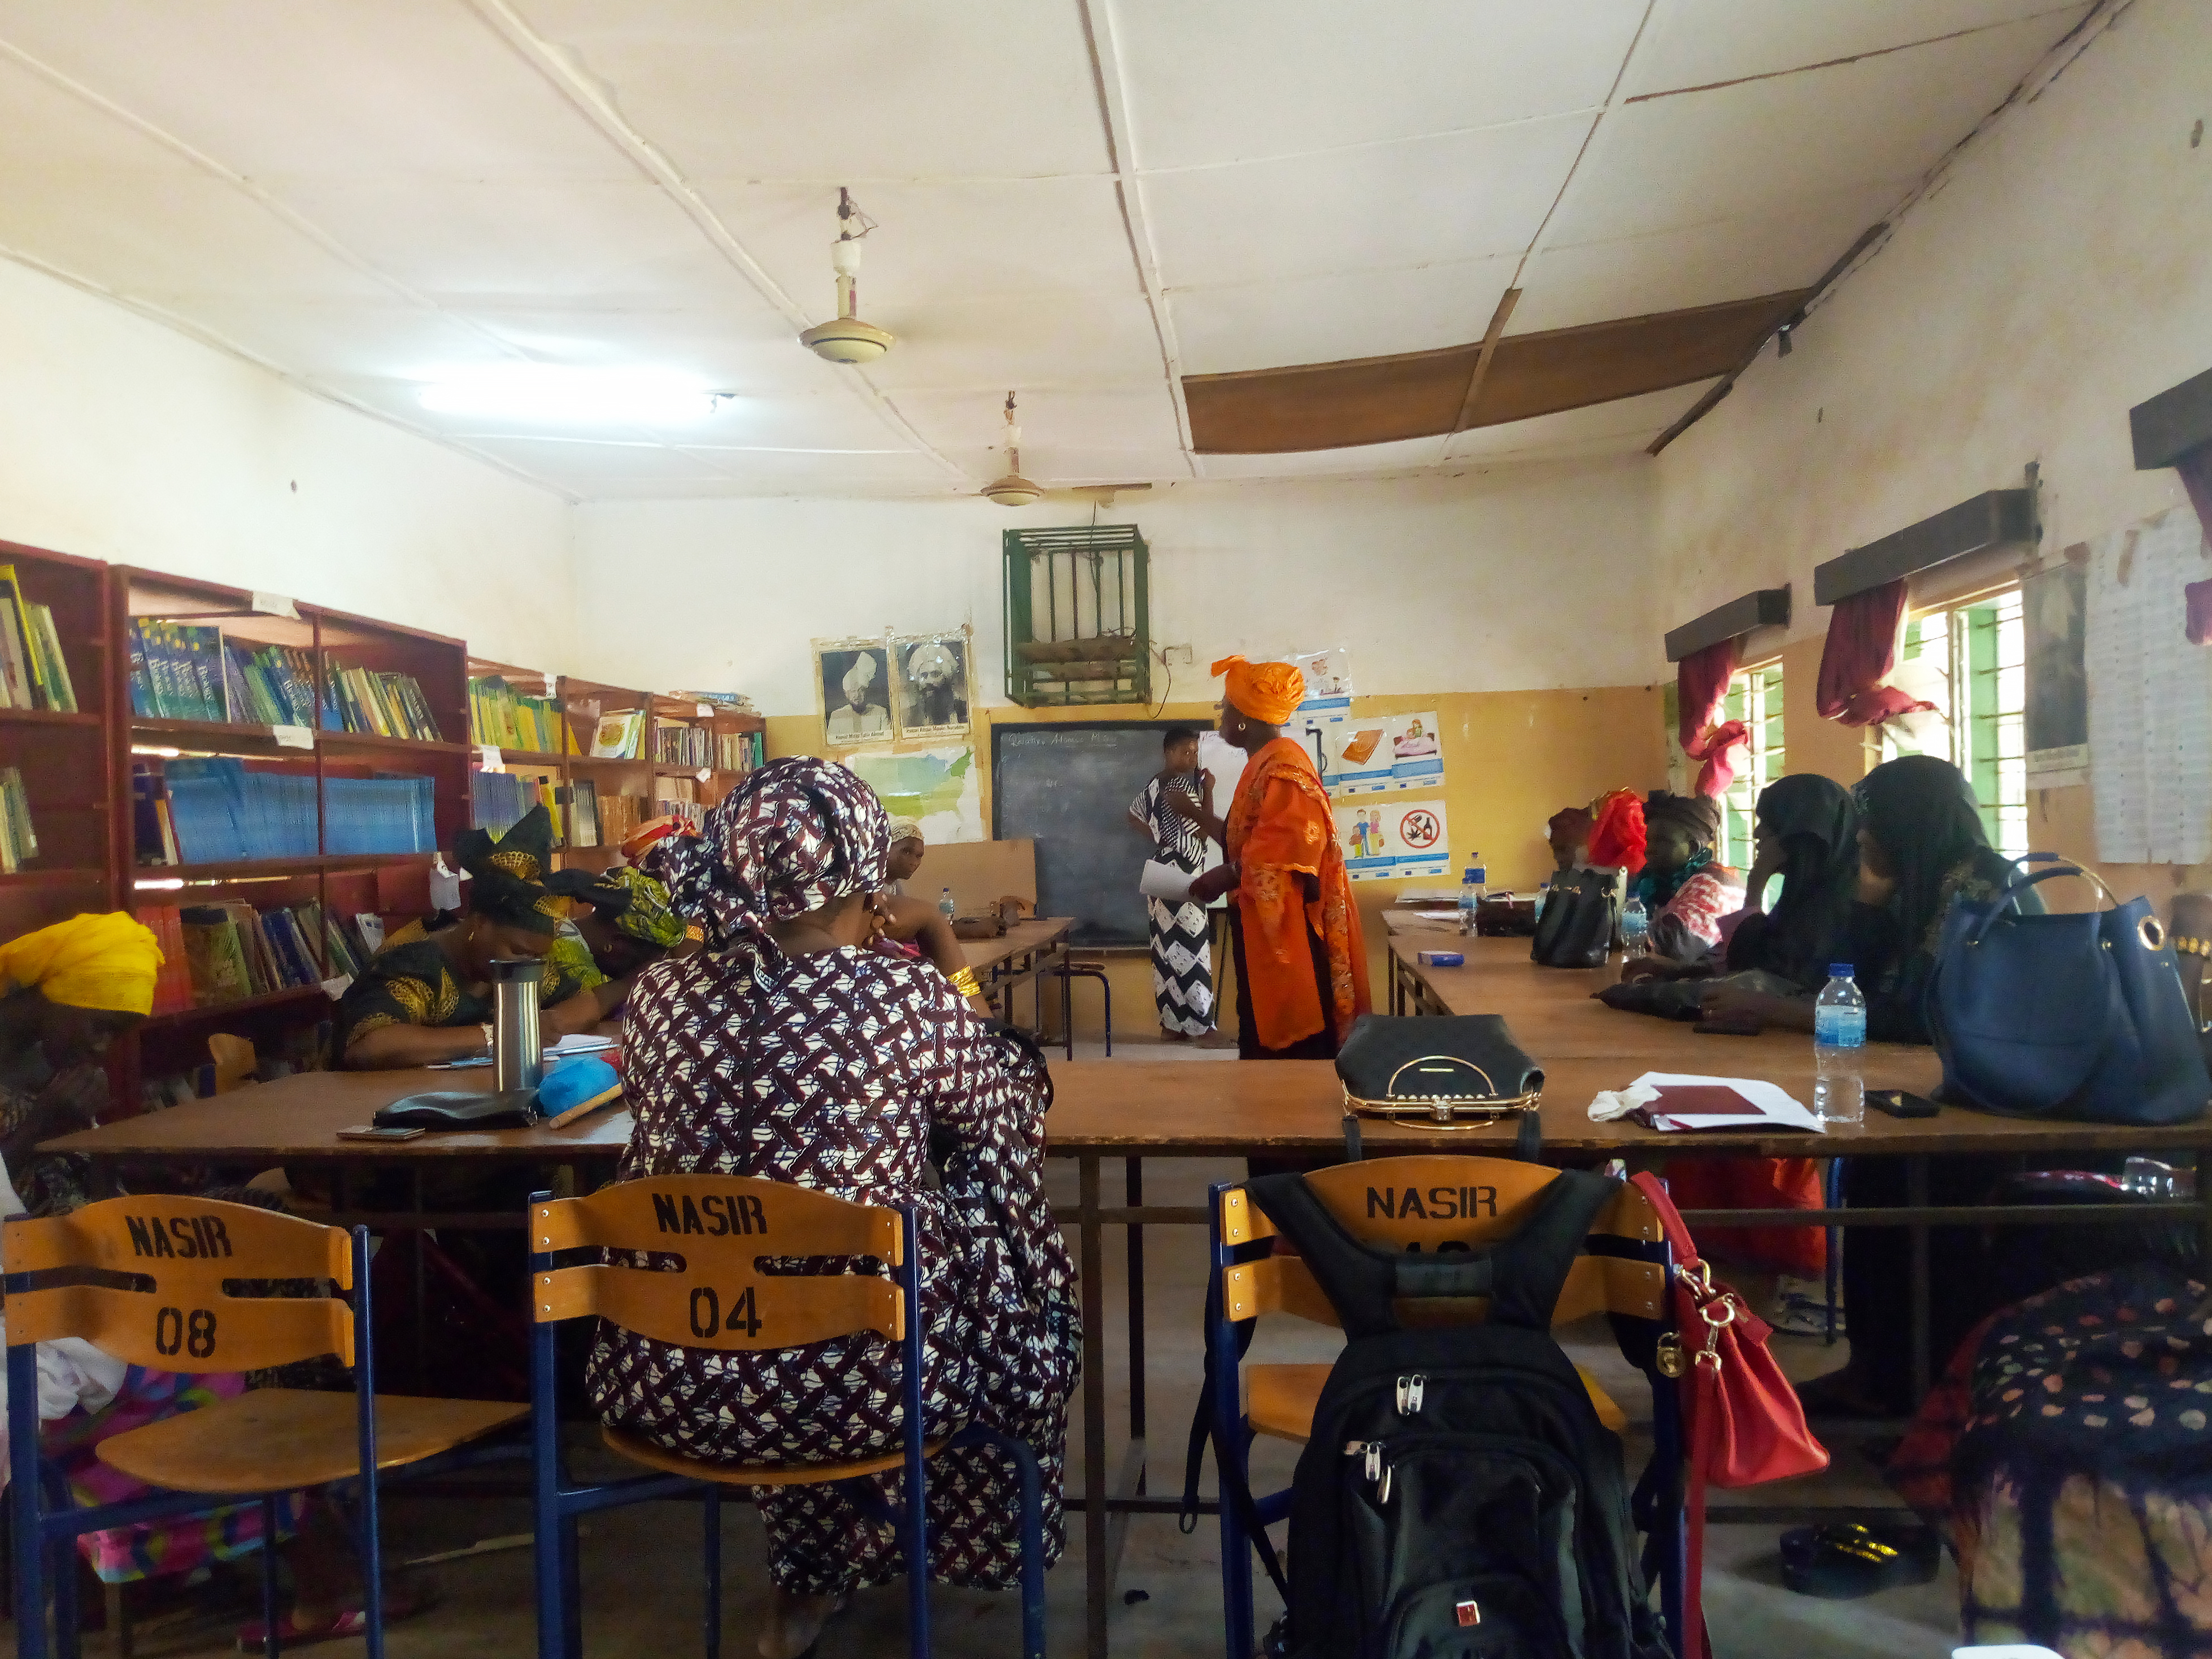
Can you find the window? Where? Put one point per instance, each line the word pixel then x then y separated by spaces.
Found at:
pixel 1755 696
pixel 1970 662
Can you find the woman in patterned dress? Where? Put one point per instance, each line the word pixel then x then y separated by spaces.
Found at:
pixel 1182 934
pixel 1684 891
pixel 789 1050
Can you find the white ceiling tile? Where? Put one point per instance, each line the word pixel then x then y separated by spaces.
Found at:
pixel 733 349
pixel 1022 343
pixel 844 92
pixel 937 243
pixel 1214 83
pixel 1767 145
pixel 1055 420
pixel 1693 43
pixel 1704 265
pixel 396 87
pixel 1626 424
pixel 577 464
pixel 613 244
pixel 1323 320
pixel 347 345
pixel 1427 200
pixel 768 472
pixel 1408 455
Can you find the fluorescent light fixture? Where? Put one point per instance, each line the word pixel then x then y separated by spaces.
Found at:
pixel 545 392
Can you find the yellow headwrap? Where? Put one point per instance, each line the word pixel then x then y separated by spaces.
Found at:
pixel 105 962
pixel 1270 692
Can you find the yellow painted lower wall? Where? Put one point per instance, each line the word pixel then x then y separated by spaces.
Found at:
pixel 1511 759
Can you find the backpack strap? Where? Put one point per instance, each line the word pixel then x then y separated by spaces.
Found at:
pixel 1522 1275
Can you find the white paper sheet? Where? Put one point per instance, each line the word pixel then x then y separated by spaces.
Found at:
pixel 1165 883
pixel 1779 1107
pixel 2150 694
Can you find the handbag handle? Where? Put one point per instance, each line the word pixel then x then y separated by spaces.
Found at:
pixel 2012 890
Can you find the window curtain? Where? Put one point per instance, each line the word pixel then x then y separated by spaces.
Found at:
pixel 1861 651
pixel 2196 470
pixel 1701 683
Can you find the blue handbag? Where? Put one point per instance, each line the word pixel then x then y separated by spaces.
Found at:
pixel 2081 1016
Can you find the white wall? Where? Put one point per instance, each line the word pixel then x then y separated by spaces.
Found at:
pixel 124 441
pixel 1524 579
pixel 2058 276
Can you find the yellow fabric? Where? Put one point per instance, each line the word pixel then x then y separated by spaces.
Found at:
pixel 1270 692
pixel 103 962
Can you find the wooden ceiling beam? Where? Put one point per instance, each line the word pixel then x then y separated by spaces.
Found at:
pixel 1490 336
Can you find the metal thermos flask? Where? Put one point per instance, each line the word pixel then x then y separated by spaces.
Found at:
pixel 518 1059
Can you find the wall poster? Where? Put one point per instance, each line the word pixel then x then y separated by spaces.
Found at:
pixel 1389 841
pixel 2055 609
pixel 851 682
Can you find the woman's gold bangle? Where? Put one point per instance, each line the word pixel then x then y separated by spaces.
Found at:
pixel 964 983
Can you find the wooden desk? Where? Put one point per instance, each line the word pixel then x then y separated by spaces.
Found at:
pixel 1026 953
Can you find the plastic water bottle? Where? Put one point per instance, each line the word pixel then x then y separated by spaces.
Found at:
pixel 1635 927
pixel 1470 896
pixel 1543 896
pixel 946 905
pixel 1839 1048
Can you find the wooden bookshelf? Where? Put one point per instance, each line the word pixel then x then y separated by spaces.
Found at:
pixel 62 756
pixel 78 769
pixel 338 883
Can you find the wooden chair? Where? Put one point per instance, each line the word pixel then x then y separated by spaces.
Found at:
pixel 234 1061
pixel 1624 1274
pixel 179 1257
pixel 721 1300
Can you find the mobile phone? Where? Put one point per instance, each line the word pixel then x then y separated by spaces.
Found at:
pixel 1898 1103
pixel 370 1132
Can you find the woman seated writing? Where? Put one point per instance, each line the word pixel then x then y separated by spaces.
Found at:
pixel 428 998
pixel 1684 892
pixel 729 1060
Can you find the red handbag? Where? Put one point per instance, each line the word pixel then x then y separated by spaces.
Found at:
pixel 1743 1422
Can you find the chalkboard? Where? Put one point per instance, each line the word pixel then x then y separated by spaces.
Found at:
pixel 1068 788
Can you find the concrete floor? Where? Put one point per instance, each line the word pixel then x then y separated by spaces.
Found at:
pixel 642 1575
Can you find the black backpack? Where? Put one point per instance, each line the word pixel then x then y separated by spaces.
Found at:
pixel 1459 1498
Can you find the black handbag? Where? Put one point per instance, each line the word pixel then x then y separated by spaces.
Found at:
pixel 2080 1016
pixel 452 1109
pixel 1577 927
pixel 1456 1071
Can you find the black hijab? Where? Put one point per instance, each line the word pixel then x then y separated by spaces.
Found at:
pixel 1817 823
pixel 1923 812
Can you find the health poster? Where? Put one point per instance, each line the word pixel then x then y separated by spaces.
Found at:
pixel 1328 680
pixel 1369 754
pixel 1390 841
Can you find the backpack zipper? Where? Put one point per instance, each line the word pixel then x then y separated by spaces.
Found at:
pixel 1374 1469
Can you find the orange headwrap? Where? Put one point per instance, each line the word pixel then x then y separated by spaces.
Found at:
pixel 1270 692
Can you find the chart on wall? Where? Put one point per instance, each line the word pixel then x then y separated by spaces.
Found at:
pixel 2150 693
pixel 1392 840
pixel 1371 754
pixel 940 787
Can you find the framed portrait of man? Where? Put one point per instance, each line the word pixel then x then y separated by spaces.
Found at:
pixel 930 684
pixel 853 680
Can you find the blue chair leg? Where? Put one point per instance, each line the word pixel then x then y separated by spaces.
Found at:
pixel 571 1595
pixel 710 1527
pixel 269 1643
pixel 68 1623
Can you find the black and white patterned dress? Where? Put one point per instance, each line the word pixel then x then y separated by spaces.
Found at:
pixel 829 1071
pixel 1182 938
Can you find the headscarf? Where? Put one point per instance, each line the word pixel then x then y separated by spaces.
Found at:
pixel 904 829
pixel 1924 814
pixel 1695 813
pixel 1268 692
pixel 507 873
pixel 1616 837
pixel 930 663
pixel 105 963
pixel 794 835
pixel 1816 823
pixel 625 898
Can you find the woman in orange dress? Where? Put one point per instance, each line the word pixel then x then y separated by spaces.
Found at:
pixel 1301 964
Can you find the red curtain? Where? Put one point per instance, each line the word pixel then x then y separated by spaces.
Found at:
pixel 1701 683
pixel 1862 649
pixel 2196 470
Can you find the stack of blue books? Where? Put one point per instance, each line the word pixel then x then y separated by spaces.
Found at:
pixel 221 812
